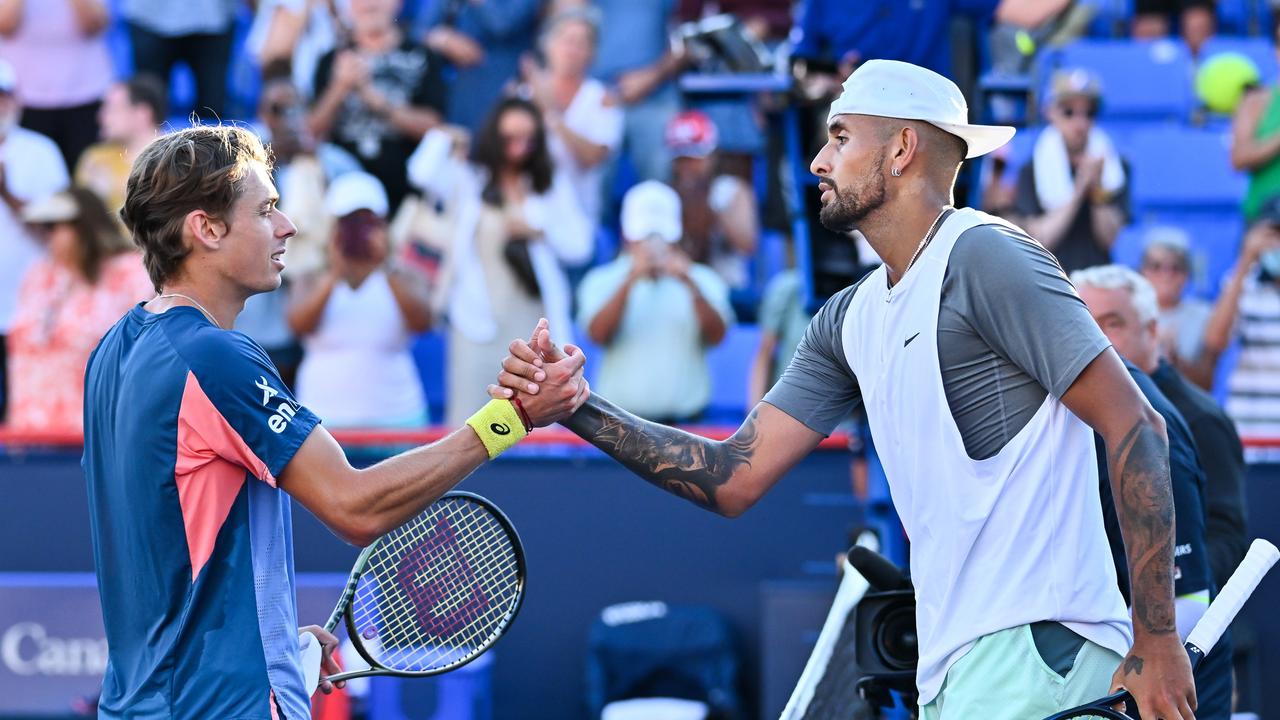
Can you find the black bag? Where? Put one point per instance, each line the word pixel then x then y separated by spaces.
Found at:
pixel 516 253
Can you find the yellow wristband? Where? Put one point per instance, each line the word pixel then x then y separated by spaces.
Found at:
pixel 498 425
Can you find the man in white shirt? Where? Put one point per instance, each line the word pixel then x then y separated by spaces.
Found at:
pixel 984 378
pixel 31 167
pixel 652 296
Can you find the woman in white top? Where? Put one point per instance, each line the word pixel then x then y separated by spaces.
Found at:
pixel 515 224
pixel 584 119
pixel 59 50
pixel 357 319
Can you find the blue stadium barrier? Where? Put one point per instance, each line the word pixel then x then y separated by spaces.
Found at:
pixel 730 367
pixel 1112 18
pixel 771 256
pixel 1017 154
pixel 462 694
pixel 1244 17
pixel 1214 242
pixel 1258 49
pixel 430 352
pixel 244 77
pixel 1235 17
pixel 1184 170
pixel 1141 80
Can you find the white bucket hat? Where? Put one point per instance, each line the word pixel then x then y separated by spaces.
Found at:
pixel 893 89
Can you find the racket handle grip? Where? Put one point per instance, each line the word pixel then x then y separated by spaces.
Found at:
pixel 1261 556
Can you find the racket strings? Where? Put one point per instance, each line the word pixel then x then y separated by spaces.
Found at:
pixel 405 647
pixel 447 598
pixel 454 574
pixel 438 590
pixel 454 577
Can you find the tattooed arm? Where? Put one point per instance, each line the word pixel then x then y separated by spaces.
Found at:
pixel 1156 670
pixel 726 476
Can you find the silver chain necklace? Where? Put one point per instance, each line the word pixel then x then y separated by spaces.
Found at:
pixel 193 302
pixel 888 296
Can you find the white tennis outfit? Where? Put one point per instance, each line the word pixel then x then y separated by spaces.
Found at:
pixel 996 543
pixel 357 370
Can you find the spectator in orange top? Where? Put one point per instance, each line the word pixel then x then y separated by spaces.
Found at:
pixel 67 300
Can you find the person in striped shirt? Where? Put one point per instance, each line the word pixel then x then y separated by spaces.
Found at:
pixel 1248 309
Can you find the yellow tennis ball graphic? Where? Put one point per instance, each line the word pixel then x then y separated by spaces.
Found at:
pixel 1222 79
pixel 1025 43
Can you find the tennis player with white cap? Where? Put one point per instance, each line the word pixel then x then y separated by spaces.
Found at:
pixel 984 378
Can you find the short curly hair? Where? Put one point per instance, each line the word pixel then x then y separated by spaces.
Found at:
pixel 199 168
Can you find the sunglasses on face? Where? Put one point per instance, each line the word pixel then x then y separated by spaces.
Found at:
pixel 1071 112
pixel 44 228
pixel 281 109
pixel 1156 266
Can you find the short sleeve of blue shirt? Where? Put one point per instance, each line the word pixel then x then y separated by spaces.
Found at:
pixel 237 403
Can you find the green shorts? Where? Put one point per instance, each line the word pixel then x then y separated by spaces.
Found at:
pixel 1005 677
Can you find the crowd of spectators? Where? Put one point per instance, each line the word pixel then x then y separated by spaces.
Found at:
pixel 464 167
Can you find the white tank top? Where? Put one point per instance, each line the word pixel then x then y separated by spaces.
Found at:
pixel 357 370
pixel 995 543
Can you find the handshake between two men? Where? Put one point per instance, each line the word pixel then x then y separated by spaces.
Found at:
pixel 545 381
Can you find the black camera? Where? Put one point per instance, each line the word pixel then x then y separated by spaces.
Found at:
pixel 887 648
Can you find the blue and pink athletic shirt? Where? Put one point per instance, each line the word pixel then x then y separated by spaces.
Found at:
pixel 187 427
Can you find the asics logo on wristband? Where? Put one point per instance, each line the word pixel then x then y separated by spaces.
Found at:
pixel 500 429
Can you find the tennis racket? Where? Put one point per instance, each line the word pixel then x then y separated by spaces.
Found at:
pixel 828 685
pixel 435 593
pixel 1261 556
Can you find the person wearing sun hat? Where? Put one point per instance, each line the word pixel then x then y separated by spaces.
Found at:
pixel 983 377
pixel 361 312
pixel 721 223
pixel 654 297
pixel 1073 194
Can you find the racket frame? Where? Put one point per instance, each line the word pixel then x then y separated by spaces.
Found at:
pixel 343 608
pixel 1259 559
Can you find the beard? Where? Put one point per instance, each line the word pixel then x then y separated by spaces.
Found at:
pixel 850 206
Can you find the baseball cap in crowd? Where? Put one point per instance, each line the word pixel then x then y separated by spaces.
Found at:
pixel 692 134
pixel 894 89
pixel 56 208
pixel 1074 83
pixel 354 191
pixel 651 209
pixel 1169 238
pixel 8 77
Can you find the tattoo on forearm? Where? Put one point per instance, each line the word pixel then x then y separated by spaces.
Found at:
pixel 681 463
pixel 1144 506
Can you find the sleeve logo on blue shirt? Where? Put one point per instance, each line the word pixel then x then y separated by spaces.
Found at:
pixel 285 411
pixel 268 392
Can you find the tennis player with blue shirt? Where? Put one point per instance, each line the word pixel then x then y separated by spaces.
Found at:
pixel 984 378
pixel 192 442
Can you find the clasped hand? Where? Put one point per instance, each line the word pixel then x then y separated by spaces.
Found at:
pixel 548 382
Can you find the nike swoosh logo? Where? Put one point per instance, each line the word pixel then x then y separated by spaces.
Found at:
pixel 908 342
